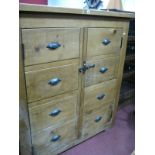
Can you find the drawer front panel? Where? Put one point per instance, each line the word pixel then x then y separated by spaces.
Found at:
pixel 99 95
pixel 51 81
pixel 105 69
pixel 98 121
pixel 53 112
pixel 103 41
pixel 50 44
pixel 50 140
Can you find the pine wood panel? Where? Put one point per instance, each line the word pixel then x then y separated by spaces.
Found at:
pixel 97 35
pixel 120 69
pixel 50 9
pixel 42 140
pixel 40 117
pixel 36 40
pixel 91 127
pixel 33 20
pixel 37 81
pixel 24 124
pixel 94 76
pixel 82 80
pixel 91 101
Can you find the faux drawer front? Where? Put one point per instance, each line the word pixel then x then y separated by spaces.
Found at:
pixel 53 112
pixel 103 41
pixel 50 140
pixel 105 69
pixel 98 121
pixel 51 81
pixel 50 44
pixel 99 95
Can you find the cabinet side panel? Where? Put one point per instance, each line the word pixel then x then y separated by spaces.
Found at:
pixel 121 64
pixel 24 126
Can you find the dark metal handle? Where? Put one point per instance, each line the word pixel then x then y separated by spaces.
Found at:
pixel 54 81
pixel 90 66
pixel 106 41
pixel 53 45
pixel 86 67
pixel 100 97
pixel 82 70
pixel 55 138
pixel 103 69
pixel 98 118
pixel 55 112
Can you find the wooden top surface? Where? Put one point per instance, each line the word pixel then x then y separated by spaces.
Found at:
pixel 48 9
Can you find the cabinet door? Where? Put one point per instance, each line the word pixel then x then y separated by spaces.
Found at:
pixel 100 82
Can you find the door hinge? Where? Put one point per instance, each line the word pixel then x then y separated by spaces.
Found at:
pixel 121 42
pixel 23 51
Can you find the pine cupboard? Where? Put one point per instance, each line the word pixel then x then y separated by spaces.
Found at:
pixel 71 63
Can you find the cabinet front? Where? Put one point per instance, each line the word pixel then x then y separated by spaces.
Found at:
pixel 100 70
pixel 71 77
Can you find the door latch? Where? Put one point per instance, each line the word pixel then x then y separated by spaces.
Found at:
pixel 86 67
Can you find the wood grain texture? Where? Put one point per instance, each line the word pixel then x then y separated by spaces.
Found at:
pixel 42 140
pixel 24 125
pixel 96 37
pixel 94 76
pixel 40 117
pixel 91 126
pixel 80 90
pixel 49 9
pixel 37 81
pixel 121 66
pixel 36 40
pixel 32 20
pixel 91 101
pixel 82 80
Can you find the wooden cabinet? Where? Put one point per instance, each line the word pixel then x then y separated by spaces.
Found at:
pixel 72 69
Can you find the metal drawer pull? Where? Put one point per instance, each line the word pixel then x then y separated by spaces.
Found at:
pixel 98 118
pixel 53 45
pixel 55 112
pixel 103 69
pixel 106 41
pixel 100 97
pixel 54 81
pixel 55 138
